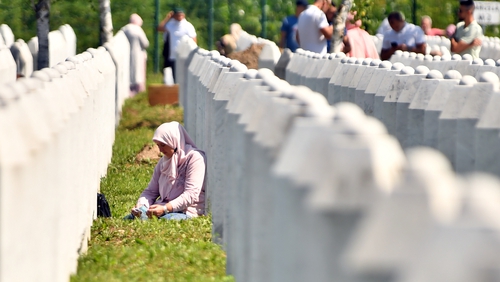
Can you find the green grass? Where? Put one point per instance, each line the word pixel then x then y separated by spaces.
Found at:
pixel 154 250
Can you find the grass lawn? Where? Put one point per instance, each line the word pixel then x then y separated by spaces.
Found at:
pixel 153 250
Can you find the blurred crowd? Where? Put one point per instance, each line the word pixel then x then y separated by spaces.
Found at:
pixel 315 26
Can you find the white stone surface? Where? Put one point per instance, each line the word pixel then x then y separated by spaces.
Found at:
pixel 447 124
pixel 416 110
pixel 474 106
pixel 269 56
pixel 367 97
pixel 404 100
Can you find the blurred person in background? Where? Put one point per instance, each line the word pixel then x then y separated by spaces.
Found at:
pixel 289 27
pixel 360 42
pixel 403 36
pixel 175 26
pixel 468 35
pixel 426 25
pixel 138 56
pixel 313 29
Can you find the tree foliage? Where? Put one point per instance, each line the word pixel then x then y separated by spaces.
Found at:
pixel 83 16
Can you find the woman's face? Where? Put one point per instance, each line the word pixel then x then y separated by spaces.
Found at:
pixel 165 149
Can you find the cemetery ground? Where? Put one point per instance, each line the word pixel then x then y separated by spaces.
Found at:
pixel 153 250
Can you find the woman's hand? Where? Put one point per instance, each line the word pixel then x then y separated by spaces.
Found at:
pixel 156 210
pixel 135 212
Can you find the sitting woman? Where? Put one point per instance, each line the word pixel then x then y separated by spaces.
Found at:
pixel 177 188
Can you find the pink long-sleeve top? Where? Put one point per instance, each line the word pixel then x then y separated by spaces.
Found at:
pixel 187 193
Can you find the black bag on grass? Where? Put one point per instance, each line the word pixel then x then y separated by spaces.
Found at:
pixel 102 206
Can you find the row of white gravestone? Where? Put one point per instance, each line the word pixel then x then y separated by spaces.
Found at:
pixel 421 107
pixel 62 44
pixel 490 48
pixel 297 188
pixel 56 134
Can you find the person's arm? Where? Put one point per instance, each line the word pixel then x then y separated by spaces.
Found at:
pixel 195 175
pixel 327 31
pixel 460 46
pixel 419 48
pixel 161 25
pixel 386 54
pixel 347 44
pixel 152 192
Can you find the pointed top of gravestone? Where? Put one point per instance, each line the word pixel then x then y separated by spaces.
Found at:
pixel 69 65
pixel 405 54
pixel 280 85
pixel 407 70
pixel 467 80
pixel 352 60
pixel 478 61
pixel 421 159
pixel 484 198
pixel 300 51
pixel 489 62
pixel 344 60
pixel 446 57
pixel 420 57
pixel 366 61
pixel 467 57
pixel 397 66
pixel 434 74
pixel 264 72
pixel 437 58
pixel 375 63
pixel 498 62
pixel 456 57
pixel 61 68
pixel 251 74
pixel 326 56
pixel 490 77
pixel 74 59
pixel 346 110
pixel 413 55
pixel 385 65
pixel 359 61
pixel 398 53
pixel 428 58
pixel 43 76
pixel 453 74
pixel 238 68
pixel 340 55
pixel 421 70
pixel 225 61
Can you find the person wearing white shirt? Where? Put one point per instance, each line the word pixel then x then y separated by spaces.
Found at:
pixel 313 29
pixel 177 26
pixel 403 36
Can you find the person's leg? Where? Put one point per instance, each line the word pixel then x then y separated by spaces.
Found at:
pixel 172 65
pixel 175 216
pixel 129 216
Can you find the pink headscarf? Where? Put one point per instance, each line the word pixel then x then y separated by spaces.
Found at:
pixel 175 136
pixel 136 19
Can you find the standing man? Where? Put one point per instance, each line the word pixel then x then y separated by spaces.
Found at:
pixel 177 26
pixel 313 28
pixel 468 35
pixel 289 27
pixel 403 36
